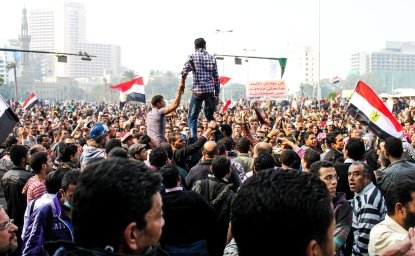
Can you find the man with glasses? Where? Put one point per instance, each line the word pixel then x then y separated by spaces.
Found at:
pixel 8 237
pixel 343 212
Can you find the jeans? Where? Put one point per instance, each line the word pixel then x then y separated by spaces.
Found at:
pixel 195 108
pixel 198 248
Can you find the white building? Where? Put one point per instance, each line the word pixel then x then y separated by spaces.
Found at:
pixel 308 60
pixel 63 29
pixel 396 57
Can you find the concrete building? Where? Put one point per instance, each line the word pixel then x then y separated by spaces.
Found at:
pixel 388 69
pixel 63 29
pixel 396 57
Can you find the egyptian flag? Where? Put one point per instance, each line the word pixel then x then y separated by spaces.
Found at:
pixel 223 80
pixel 367 108
pixel 132 90
pixel 226 106
pixel 8 120
pixel 30 101
pixel 335 80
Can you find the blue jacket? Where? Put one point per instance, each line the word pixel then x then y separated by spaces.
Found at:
pixel 46 223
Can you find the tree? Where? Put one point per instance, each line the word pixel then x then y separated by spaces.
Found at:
pixel 129 75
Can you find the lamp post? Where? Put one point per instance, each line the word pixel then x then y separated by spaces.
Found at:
pixel 223 52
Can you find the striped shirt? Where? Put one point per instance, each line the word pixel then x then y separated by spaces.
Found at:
pixel 34 188
pixel 205 72
pixel 368 210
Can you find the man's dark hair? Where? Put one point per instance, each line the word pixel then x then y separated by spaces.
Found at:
pixel 289 158
pixel 146 140
pixel 53 181
pixel 170 175
pixel 243 144
pixel 40 138
pixel 112 143
pixel 228 142
pixel 399 192
pixel 220 166
pixel 200 43
pixel 286 201
pixel 264 161
pixel 331 138
pixel 226 129
pixel 10 141
pixel 156 99
pixel 17 153
pixel 393 147
pixel 158 157
pixel 307 135
pixel 384 160
pixel 123 200
pixel 118 152
pixel 167 147
pixel 70 178
pixel 355 148
pixel 316 166
pixel 310 156
pixel 36 161
pixel 220 149
pixel 67 152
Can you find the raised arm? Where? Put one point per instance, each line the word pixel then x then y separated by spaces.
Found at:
pixel 176 102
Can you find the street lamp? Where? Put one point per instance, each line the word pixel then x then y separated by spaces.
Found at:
pixel 223 52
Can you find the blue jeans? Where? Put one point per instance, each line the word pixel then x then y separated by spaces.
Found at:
pixel 195 108
pixel 198 248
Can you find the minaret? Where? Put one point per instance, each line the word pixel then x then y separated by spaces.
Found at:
pixel 24 38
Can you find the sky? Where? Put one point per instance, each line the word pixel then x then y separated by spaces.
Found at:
pixel 159 34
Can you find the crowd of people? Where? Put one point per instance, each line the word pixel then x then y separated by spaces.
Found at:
pixel 259 178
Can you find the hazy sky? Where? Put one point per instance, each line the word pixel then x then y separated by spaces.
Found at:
pixel 159 34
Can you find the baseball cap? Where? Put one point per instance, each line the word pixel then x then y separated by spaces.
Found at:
pixel 98 130
pixel 135 148
pixel 124 136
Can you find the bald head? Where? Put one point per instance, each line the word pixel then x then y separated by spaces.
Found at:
pixel 262 147
pixel 209 149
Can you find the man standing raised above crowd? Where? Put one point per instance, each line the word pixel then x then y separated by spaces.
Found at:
pixel 156 118
pixel 205 84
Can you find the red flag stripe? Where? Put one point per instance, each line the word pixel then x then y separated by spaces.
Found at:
pixel 223 80
pixel 127 85
pixel 367 93
pixel 227 104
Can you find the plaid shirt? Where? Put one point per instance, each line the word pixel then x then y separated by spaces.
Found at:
pixel 205 72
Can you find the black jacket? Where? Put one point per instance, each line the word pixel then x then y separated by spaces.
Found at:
pixel 67 248
pixel 180 155
pixel 12 183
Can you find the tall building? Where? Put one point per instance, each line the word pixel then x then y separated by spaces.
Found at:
pixel 309 65
pixel 391 68
pixel 63 29
pixel 397 56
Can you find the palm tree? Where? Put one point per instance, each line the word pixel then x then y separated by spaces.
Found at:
pixel 129 75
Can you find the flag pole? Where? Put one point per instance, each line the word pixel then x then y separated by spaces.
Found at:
pixel 348 103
